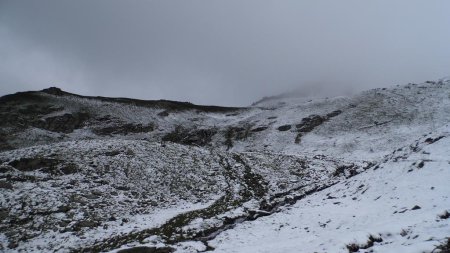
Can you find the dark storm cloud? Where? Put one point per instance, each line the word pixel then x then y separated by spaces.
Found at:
pixel 220 52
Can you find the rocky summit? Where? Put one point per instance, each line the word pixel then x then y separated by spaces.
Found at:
pixel 366 173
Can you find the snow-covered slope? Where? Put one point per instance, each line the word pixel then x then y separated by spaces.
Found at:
pixel 85 192
pixel 370 124
pixel 91 174
pixel 402 205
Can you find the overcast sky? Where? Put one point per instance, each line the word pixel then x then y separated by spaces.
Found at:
pixel 228 52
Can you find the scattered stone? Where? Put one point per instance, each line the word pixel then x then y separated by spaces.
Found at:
pixel 259 129
pixel 5 185
pixel 85 224
pixel 3 214
pixel 334 113
pixel 416 207
pixel 144 249
pixel 6 169
pixel 122 188
pixel 433 140
pixel 129 152
pixel 122 128
pixel 66 123
pixel 97 192
pixel 420 164
pixel 284 128
pixel 163 113
pixel 199 137
pixel 69 169
pixel 445 215
pixel 309 123
pixel 63 223
pixel 112 153
pixel 64 208
pixel 312 121
pixel 13 245
pixel 90 196
pixel 31 164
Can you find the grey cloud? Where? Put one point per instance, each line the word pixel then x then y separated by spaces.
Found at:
pixel 220 52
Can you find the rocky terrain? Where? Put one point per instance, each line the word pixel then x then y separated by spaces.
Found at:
pixel 366 173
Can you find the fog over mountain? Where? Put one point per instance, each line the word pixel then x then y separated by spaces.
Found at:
pixel 220 52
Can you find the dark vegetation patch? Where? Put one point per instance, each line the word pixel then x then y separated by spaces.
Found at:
pixel 65 123
pixel 163 113
pixel 255 183
pixel 312 121
pixel 241 133
pixel 334 113
pixel 18 97
pixel 111 125
pixel 445 215
pixel 36 163
pixel 433 140
pixel 259 129
pixel 346 170
pixel 5 185
pixel 238 133
pixel 4 145
pixel 229 135
pixel 112 153
pixel 444 247
pixel 3 213
pixel 354 247
pixel 200 137
pixel 21 109
pixel 123 129
pixel 68 168
pixel 87 223
pixel 284 128
pixel 47 165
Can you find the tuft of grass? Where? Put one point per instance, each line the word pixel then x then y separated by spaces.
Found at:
pixel 445 215
pixel 443 248
pixel 353 247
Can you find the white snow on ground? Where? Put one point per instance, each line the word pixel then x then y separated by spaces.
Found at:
pixel 150 170
pixel 371 124
pixel 139 178
pixel 64 242
pixel 377 202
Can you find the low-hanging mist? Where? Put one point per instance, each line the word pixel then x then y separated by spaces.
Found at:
pixel 220 52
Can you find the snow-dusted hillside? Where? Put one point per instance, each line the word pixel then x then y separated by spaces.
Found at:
pixel 91 174
pixel 84 192
pixel 401 205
